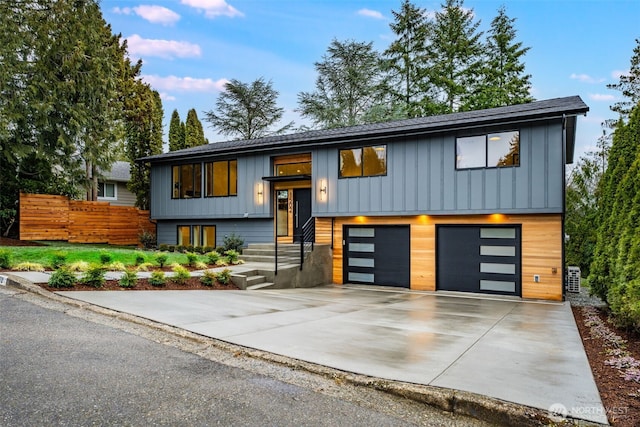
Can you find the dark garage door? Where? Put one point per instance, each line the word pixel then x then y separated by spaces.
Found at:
pixel 479 259
pixel 377 255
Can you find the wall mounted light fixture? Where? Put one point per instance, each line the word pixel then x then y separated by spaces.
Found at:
pixel 323 190
pixel 260 193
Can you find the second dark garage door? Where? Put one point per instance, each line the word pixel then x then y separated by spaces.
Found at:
pixel 377 255
pixel 482 259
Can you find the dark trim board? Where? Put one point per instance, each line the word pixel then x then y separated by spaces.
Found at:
pixel 377 255
pixel 479 258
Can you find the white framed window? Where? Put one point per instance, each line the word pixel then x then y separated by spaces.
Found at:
pixel 107 191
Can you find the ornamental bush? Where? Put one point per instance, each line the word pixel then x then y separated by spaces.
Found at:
pixel 224 276
pixel 62 278
pixel 58 259
pixel 208 278
pixel 157 279
pixel 161 259
pixel 94 276
pixel 5 258
pixel 129 279
pixel 180 275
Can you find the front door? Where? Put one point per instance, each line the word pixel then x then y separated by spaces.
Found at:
pixel 301 210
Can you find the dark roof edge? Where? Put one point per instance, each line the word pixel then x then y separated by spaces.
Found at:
pixel 547 110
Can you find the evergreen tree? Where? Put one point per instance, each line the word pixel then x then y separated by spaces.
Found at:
pixel 194 134
pixel 501 80
pixel 348 87
pixel 629 86
pixel 406 62
pixel 176 132
pixel 247 111
pixel 455 50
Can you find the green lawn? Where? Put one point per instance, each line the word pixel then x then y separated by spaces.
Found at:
pixel 82 252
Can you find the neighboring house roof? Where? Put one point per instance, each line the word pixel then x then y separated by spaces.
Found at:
pixel 120 172
pixel 567 107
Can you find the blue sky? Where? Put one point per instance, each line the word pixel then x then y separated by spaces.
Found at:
pixel 190 48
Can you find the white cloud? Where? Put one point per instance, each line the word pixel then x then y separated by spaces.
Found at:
pixel 167 49
pixel 601 97
pixel 585 78
pixel 184 84
pixel 157 14
pixel 214 8
pixel 166 97
pixel 370 13
pixel 122 11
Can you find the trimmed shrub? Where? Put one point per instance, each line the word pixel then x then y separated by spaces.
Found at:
pixel 180 275
pixel 58 259
pixel 171 248
pixel 161 259
pixel 163 247
pixel 5 258
pixel 624 301
pixel 105 257
pixel 232 256
pixel 199 265
pixel 213 257
pixel 224 276
pixel 157 279
pixel 233 241
pixel 28 266
pixel 179 248
pixel 62 278
pixel 94 276
pixel 129 279
pixel 208 278
pixel 192 258
pixel 140 258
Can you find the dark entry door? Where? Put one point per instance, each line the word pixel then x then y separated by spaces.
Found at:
pixel 301 210
pixel 377 255
pixel 482 259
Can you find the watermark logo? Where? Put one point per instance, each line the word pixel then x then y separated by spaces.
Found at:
pixel 558 410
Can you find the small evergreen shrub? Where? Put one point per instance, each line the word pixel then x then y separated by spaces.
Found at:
pixel 208 278
pixel 147 239
pixel 213 257
pixel 94 276
pixel 5 258
pixel 171 248
pixel 157 279
pixel 163 247
pixel 208 249
pixel 233 241
pixel 58 259
pixel 140 258
pixel 224 276
pixel 129 279
pixel 180 275
pixel 62 278
pixel 105 257
pixel 28 266
pixel 192 258
pixel 161 259
pixel 180 248
pixel 232 256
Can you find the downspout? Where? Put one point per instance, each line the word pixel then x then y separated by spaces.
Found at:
pixel 564 203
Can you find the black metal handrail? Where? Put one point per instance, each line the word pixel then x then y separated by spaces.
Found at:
pixel 307 238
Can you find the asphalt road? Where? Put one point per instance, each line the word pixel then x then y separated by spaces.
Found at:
pixel 60 365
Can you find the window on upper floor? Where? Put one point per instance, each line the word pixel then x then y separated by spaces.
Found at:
pixel 493 150
pixel 363 161
pixel 107 190
pixel 221 178
pixel 186 181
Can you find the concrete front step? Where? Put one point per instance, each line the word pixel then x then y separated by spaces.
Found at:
pixel 271 259
pixel 260 286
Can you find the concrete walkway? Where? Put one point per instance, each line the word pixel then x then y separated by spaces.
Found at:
pixel 528 353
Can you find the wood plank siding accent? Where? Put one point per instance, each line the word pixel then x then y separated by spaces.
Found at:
pixel 47 217
pixel 541 247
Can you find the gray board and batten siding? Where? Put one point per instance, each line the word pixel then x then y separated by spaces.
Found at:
pixel 422 178
pixel 250 229
pixel 421 172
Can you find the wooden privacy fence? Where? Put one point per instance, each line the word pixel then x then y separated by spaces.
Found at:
pixel 46 217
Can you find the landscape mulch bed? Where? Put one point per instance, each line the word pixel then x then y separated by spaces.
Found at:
pixel 620 398
pixel 144 285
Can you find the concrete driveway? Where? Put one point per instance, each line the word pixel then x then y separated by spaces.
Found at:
pixel 528 353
